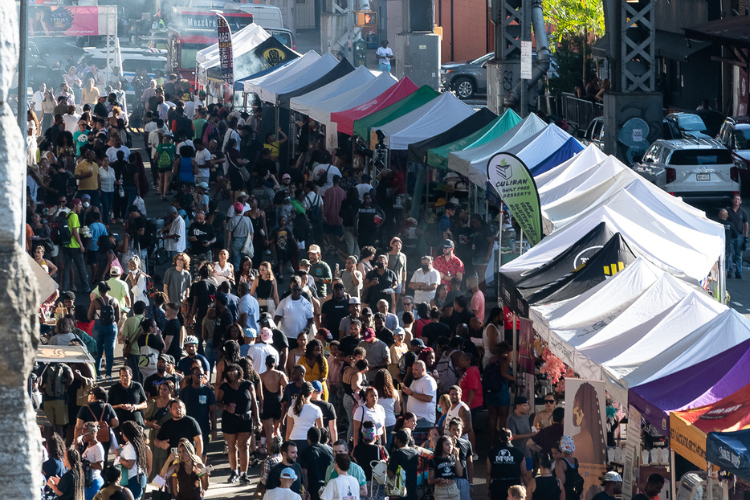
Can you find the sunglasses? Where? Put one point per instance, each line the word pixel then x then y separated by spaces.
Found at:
pixel 407 303
pixel 548 402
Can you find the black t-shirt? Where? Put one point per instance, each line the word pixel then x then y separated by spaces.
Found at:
pixel 506 468
pixel 204 232
pixel 134 395
pixel 433 331
pixel 464 451
pixel 174 430
pixel 279 341
pixel 365 453
pixel 153 341
pixel 375 292
pixel 408 459
pixel 173 330
pixel 348 344
pixel 95 414
pixel 223 322
pixel 386 336
pixel 444 467
pixel 462 238
pixel 197 403
pixel 737 219
pixel 201 292
pixel 152 383
pixel 335 311
pixel 135 225
pixel 316 458
pixel 274 477
pixel 602 495
pixel 241 397
pixel 67 486
pixel 329 412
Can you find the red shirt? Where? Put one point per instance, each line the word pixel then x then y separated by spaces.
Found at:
pixel 452 267
pixel 472 380
pixel 332 204
pixel 508 323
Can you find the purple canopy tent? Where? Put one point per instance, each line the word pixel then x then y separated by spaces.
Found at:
pixel 698 385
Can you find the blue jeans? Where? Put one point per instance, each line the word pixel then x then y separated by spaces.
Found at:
pixel 74 257
pixel 235 254
pixel 463 488
pixel 107 199
pixel 211 356
pixel 130 194
pixel 737 254
pixel 91 491
pixel 105 344
pixel 137 485
pixel 424 425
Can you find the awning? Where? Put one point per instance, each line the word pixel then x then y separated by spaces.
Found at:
pixel 600 47
pixel 730 451
pixel 256 85
pixel 728 31
pixel 677 47
pixel 63 354
pixel 418 150
pixel 303 103
pixel 267 55
pixel 307 82
pixel 422 96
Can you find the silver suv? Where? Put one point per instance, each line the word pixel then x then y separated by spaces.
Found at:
pixel 691 168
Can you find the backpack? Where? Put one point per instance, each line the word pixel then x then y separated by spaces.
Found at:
pixel 492 379
pixel 314 212
pixel 107 312
pixel 64 234
pixel 164 162
pixel 209 133
pixel 447 372
pixel 54 380
pixel 574 479
pixel 103 433
pixel 322 179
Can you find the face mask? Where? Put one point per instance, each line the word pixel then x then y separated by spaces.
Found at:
pixel 86 204
pixel 380 265
pixel 133 271
pixel 425 267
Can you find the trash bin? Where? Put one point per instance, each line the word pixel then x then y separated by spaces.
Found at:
pixel 372 40
pixel 360 56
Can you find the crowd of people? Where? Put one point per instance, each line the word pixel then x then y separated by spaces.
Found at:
pixel 286 308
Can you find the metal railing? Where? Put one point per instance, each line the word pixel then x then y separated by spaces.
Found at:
pixel 575 111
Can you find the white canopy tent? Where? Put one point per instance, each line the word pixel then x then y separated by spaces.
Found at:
pixel 539 147
pixel 447 112
pixel 581 162
pixel 270 92
pixel 404 121
pixel 243 41
pixel 472 162
pixel 296 66
pixel 356 78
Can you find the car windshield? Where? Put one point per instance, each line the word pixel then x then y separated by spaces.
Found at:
pixel 691 122
pixel 742 138
pixel 283 37
pixel 701 157
pixel 482 59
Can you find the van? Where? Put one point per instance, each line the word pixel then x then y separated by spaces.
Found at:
pixel 133 59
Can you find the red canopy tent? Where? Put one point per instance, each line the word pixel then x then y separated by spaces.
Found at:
pixel 345 119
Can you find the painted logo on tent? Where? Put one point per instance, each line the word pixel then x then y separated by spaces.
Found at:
pixel 584 255
pixel 274 56
pixel 723 412
pixel 504 170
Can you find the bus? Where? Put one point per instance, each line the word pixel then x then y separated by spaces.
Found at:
pixel 190 31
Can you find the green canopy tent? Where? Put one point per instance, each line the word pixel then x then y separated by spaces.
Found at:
pixel 422 96
pixel 438 157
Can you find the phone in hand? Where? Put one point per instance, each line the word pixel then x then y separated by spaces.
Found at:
pixel 174 450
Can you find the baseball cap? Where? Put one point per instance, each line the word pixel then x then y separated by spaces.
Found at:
pixel 115 271
pixel 171 210
pixel 354 300
pixel 75 201
pixel 86 197
pixel 448 244
pixel 222 298
pixel 612 477
pixel 317 386
pixel 286 176
pixel 305 262
pixel 167 357
pixel 417 342
pixel 265 334
pixel 191 339
pixel 203 185
pixel 239 207
pixel 521 400
pixel 366 177
pixel 369 334
pixel 399 331
pixel 182 213
pixel 264 317
pixel 249 332
pixel 288 473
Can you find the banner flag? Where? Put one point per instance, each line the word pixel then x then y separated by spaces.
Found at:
pixel 224 34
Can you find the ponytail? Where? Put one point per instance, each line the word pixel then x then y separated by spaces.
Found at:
pixel 304 392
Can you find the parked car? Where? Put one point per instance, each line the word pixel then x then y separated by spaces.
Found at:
pixel 701 124
pixel 594 133
pixel 735 136
pixel 691 168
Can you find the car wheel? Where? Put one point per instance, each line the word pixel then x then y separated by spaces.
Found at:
pixel 464 88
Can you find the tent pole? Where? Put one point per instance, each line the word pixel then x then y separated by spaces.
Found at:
pixel 515 349
pixel 275 128
pixel 499 254
pixel 710 480
pixel 520 248
pixel 673 475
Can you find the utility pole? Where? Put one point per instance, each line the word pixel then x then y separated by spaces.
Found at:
pixel 23 24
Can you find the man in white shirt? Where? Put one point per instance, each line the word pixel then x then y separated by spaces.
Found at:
pixel 261 349
pixel 294 314
pixel 189 109
pixel 203 159
pixel 321 170
pixel 364 187
pixel 70 120
pixel 422 396
pixel 342 486
pixel 384 55
pixel 425 281
pixel 174 235
pixel 37 99
pixel 112 150
pixel 284 492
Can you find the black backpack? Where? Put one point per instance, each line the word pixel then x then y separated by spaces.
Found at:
pixel 314 212
pixel 492 379
pixel 64 233
pixel 574 479
pixel 107 312
pixel 301 227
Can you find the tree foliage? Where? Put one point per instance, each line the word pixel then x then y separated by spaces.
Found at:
pixel 573 18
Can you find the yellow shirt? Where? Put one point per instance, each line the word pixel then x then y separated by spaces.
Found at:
pixel 90 96
pixel 90 183
pixel 273 147
pixel 73 223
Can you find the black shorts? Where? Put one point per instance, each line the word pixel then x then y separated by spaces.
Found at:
pixel 232 424
pixel 271 408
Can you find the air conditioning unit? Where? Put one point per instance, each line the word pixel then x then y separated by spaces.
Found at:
pixel 694 487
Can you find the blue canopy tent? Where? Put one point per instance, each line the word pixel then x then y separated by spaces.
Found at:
pixel 730 451
pixel 568 150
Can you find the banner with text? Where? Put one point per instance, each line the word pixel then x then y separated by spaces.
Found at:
pixel 224 34
pixel 67 20
pixel 526 344
pixel 514 183
pixel 632 454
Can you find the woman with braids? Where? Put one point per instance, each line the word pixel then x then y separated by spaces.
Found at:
pixel 157 413
pixel 302 415
pixel 230 353
pixel 316 366
pixel 189 482
pixel 134 458
pixel 71 485
pixel 112 476
pixel 236 397
pixel 590 443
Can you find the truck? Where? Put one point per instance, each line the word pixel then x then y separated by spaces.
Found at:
pixel 190 30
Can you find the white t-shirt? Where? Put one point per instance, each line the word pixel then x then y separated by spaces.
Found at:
pixel 431 277
pixel 425 410
pixel 294 315
pixel 304 421
pixel 320 170
pixel 202 158
pixel 107 179
pixel 341 487
pixel 362 189
pixel 94 454
pixel 381 54
pixel 179 244
pixel 281 494
pixel 258 353
pixel 112 153
pixel 150 127
pixel 375 415
pixel 128 453
pixel 71 123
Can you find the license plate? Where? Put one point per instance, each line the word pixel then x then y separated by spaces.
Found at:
pixel 702 177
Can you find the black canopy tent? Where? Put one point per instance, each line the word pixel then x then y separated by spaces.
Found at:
pixel 341 69
pixel 267 54
pixel 418 150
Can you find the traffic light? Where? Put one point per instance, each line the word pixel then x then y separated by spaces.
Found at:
pixel 366 19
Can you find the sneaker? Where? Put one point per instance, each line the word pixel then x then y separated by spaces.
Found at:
pixel 244 479
pixel 233 477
